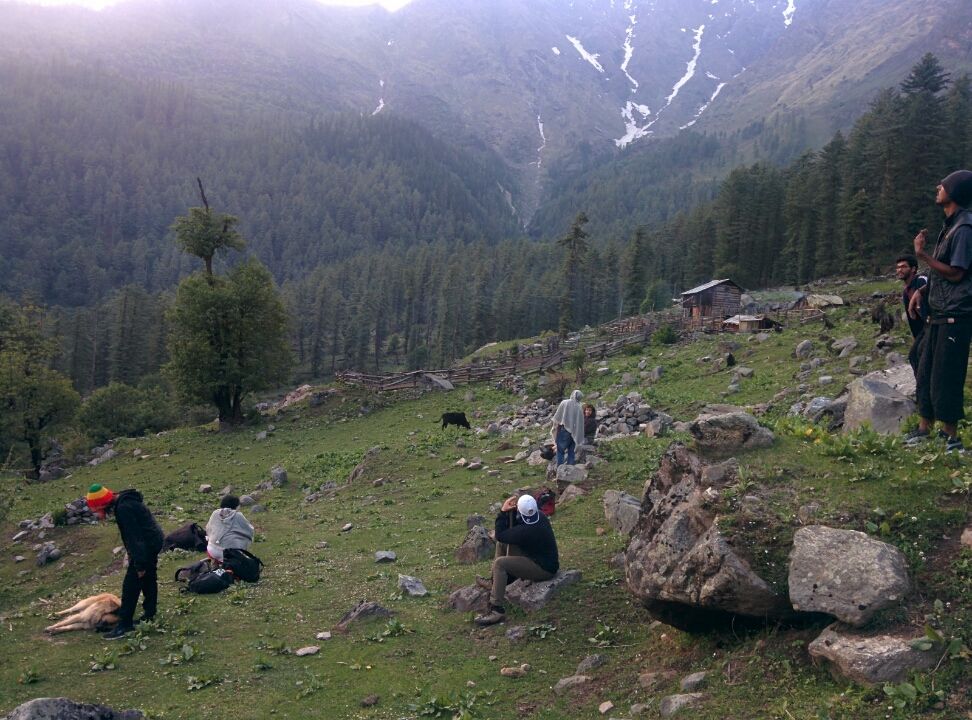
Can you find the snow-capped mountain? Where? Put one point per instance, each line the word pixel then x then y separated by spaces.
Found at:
pixel 531 80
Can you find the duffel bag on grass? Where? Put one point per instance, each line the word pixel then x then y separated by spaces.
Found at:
pixel 189 537
pixel 211 582
pixel 244 564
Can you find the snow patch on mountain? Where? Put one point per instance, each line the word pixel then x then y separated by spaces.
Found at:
pixel 702 109
pixel 590 57
pixel 788 13
pixel 629 48
pixel 632 127
pixel 543 142
pixel 381 100
pixel 690 67
pixel 556 50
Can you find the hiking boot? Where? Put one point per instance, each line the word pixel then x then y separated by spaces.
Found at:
pixel 495 615
pixel 916 437
pixel 119 632
pixel 954 446
pixel 484 583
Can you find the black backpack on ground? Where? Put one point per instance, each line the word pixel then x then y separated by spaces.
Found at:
pixel 189 537
pixel 244 564
pixel 209 583
pixel 191 572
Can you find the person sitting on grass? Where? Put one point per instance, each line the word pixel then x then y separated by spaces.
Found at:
pixel 142 538
pixel 227 528
pixel 525 548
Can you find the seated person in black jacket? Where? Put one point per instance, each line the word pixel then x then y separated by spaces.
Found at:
pixel 142 538
pixel 531 552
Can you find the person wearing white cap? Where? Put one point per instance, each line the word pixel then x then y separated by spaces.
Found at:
pixel 532 552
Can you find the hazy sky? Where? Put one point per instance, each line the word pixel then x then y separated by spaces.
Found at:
pixel 97 4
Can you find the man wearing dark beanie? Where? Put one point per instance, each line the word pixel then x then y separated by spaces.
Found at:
pixel 944 355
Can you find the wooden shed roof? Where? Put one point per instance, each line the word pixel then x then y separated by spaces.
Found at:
pixel 710 284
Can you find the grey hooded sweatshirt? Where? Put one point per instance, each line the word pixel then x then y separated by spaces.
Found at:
pixel 227 528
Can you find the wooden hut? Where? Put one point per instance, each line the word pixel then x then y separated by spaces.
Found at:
pixel 710 303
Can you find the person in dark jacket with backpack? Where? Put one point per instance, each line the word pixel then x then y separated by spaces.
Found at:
pixel 142 537
pixel 531 552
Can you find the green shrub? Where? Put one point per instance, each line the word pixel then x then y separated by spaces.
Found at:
pixel 665 335
pixel 120 410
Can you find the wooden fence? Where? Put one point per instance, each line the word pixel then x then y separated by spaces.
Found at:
pixel 620 333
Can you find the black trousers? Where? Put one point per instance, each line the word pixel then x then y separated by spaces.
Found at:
pixel 133 586
pixel 914 354
pixel 942 369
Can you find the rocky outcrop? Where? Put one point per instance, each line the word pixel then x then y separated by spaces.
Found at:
pixel 64 709
pixel 871 660
pixel 723 434
pixel 881 399
pixel 678 563
pixel 362 611
pixel 622 511
pixel 535 595
pixel 845 573
pixel 477 546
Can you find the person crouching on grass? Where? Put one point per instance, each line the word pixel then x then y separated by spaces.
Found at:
pixel 526 548
pixel 142 538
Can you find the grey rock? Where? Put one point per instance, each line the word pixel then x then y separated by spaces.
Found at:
pixel 882 399
pixel 622 511
pixel 845 573
pixel 804 349
pixel 64 709
pixel 679 565
pixel 247 500
pixel 571 474
pixel 48 552
pixel 744 372
pixel 825 380
pixel 762 337
pixel 656 373
pixel 309 650
pixel 729 432
pixel 258 508
pixel 571 493
pixel 693 682
pixel 568 683
pixel 205 488
pixel 807 513
pixel 278 476
pixel 591 662
pixel 412 586
pixel 533 596
pixel 844 343
pixel 474 520
pixel 261 436
pixel 659 425
pixel 872 660
pixel 385 556
pixel 103 457
pixel 363 610
pixel 20 535
pixel 516 633
pixel 469 598
pixel 676 703
pixel 476 547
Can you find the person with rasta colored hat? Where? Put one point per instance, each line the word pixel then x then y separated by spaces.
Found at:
pixel 530 552
pixel 944 355
pixel 142 538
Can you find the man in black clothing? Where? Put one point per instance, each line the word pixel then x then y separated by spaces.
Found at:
pixel 948 296
pixel 142 538
pixel 906 268
pixel 531 552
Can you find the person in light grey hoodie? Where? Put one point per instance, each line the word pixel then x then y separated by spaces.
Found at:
pixel 568 427
pixel 227 528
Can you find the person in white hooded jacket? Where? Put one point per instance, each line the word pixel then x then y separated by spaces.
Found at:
pixel 227 528
pixel 568 427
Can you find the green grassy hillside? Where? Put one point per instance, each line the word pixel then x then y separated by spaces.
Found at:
pixel 231 655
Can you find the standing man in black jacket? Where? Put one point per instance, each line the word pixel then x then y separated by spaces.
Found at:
pixel 948 331
pixel 142 538
pixel 531 552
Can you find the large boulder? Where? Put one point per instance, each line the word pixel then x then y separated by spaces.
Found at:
pixel 845 573
pixel 64 709
pixel 882 399
pixel 477 546
pixel 870 660
pixel 535 595
pixel 728 432
pixel 469 598
pixel 621 511
pixel 678 563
